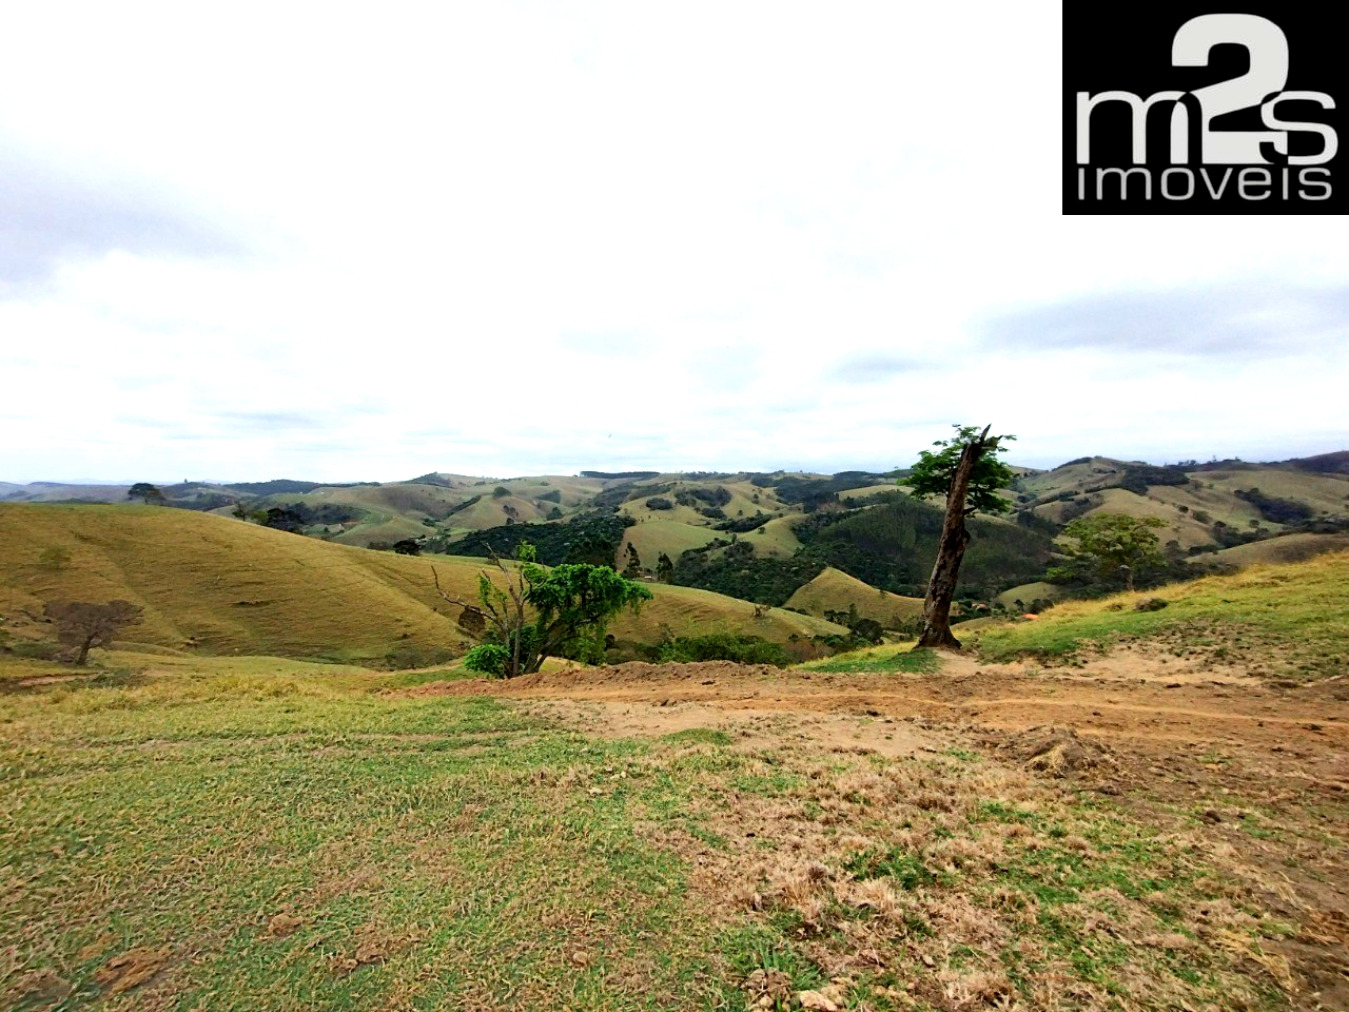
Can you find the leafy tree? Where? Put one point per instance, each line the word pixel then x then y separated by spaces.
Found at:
pixel 591 537
pixel 285 518
pixel 570 606
pixel 633 566
pixel 408 546
pixel 146 492
pixel 664 568
pixel 1110 549
pixel 83 624
pixel 966 470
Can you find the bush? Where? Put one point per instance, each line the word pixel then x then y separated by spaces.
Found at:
pixel 720 647
pixel 659 502
pixel 489 658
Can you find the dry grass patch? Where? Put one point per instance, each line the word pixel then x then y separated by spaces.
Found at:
pixel 949 883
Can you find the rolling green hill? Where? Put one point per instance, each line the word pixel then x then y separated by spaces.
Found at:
pixel 762 536
pixel 216 585
pixel 1203 506
pixel 836 591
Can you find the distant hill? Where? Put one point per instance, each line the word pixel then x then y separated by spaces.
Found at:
pixel 1290 548
pixel 53 491
pixel 762 536
pixel 835 591
pixel 1323 463
pixel 1204 507
pixel 218 585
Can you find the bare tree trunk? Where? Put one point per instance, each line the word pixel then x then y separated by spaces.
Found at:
pixel 941 589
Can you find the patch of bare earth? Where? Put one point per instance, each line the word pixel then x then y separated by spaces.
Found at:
pixel 1247 776
pixel 132 968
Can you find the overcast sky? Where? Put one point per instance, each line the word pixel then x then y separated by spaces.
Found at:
pixel 248 241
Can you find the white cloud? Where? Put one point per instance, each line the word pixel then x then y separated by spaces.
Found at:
pixel 509 238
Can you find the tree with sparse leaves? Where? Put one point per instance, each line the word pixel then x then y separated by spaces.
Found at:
pixel 967 472
pixel 84 625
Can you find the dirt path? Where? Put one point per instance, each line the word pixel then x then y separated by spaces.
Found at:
pixel 1256 772
pixel 1149 705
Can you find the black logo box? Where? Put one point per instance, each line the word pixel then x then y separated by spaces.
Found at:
pixel 1129 48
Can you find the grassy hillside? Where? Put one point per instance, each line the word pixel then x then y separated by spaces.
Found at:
pixel 1194 502
pixel 834 590
pixel 220 586
pixel 1294 616
pixel 1180 527
pixel 1290 548
pixel 668 536
pixel 778 539
pixel 1029 592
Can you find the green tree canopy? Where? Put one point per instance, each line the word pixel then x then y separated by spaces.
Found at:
pixel 145 492
pixel 1110 549
pixel 571 605
pixel 934 472
pixel 965 469
pixel 575 602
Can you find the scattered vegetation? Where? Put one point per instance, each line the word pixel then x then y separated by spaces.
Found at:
pixel 589 538
pixel 879 660
pixel 720 647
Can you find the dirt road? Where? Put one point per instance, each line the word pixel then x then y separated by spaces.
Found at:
pixel 1257 771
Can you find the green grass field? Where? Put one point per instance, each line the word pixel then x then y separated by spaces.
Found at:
pixel 263 834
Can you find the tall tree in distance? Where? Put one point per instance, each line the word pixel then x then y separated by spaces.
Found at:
pixel 146 492
pixel 966 470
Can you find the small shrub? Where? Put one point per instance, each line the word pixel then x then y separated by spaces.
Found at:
pixel 488 658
